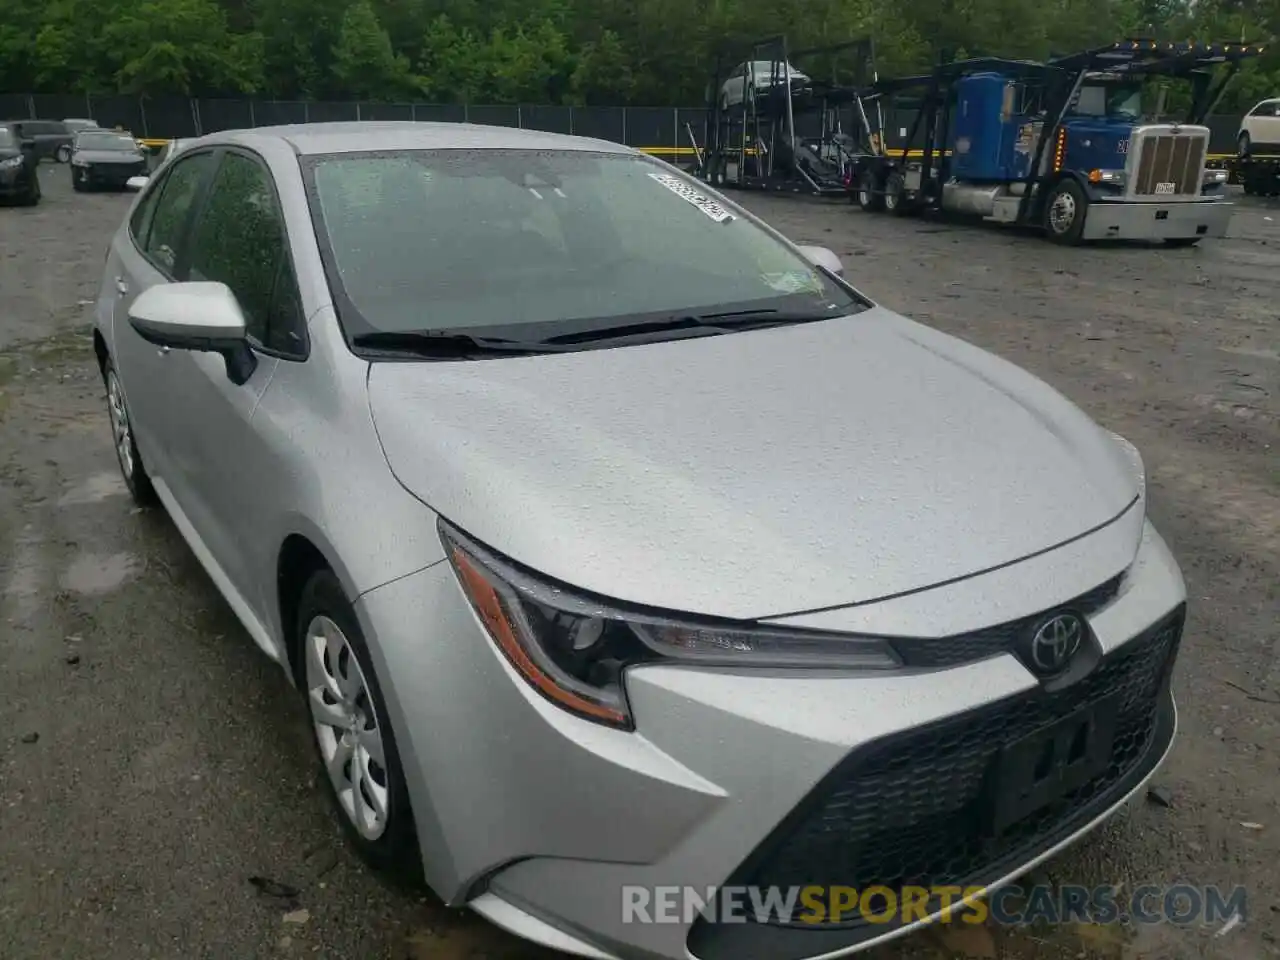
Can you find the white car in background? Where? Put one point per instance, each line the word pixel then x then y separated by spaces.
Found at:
pixel 756 75
pixel 1260 129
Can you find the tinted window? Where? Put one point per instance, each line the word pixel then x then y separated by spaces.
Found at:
pixel 458 238
pixel 240 240
pixel 104 140
pixel 173 207
pixel 43 128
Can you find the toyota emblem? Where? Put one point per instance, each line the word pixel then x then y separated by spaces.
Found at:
pixel 1056 642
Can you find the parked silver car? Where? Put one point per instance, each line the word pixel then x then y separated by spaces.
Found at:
pixel 618 543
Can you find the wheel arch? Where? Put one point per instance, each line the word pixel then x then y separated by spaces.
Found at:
pixel 300 557
pixel 100 350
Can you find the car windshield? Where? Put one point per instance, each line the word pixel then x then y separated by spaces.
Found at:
pixel 75 125
pixel 7 139
pixel 105 141
pixel 450 239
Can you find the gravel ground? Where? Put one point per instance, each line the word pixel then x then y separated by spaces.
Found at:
pixel 151 761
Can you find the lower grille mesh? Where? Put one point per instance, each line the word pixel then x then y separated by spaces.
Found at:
pixel 909 811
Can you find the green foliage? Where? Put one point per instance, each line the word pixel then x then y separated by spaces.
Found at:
pixel 644 52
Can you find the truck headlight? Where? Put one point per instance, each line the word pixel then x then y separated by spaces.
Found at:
pixel 1215 176
pixel 1113 178
pixel 573 649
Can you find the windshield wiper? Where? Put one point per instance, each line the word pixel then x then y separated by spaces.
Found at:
pixel 710 322
pixel 446 344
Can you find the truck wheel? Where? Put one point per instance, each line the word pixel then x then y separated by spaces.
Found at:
pixel 1064 213
pixel 1244 144
pixel 62 154
pixel 895 194
pixel 867 197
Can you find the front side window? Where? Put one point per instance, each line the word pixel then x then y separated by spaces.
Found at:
pixel 173 209
pixel 240 240
pixel 458 239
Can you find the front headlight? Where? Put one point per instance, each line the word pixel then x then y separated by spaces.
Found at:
pixel 1135 461
pixel 1215 176
pixel 11 163
pixel 77 162
pixel 574 649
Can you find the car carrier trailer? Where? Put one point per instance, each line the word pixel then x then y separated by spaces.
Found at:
pixel 751 139
pixel 1258 174
pixel 1060 145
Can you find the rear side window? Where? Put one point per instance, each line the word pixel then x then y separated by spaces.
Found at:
pixel 240 240
pixel 163 234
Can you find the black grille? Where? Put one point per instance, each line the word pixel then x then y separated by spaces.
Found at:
pixel 910 809
pixel 980 644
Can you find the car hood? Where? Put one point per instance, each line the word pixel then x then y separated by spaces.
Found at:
pixel 753 474
pixel 108 156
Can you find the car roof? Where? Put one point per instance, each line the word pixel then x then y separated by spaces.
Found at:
pixel 365 135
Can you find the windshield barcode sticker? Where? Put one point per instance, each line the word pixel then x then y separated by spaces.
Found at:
pixel 704 203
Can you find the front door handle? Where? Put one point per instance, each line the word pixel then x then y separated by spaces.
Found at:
pixel 122 285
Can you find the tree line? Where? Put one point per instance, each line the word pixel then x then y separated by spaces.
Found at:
pixel 583 52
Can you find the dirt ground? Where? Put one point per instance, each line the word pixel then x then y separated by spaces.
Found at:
pixel 152 762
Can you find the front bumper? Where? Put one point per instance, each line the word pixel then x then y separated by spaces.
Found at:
pixel 541 821
pixel 16 184
pixel 1119 220
pixel 108 174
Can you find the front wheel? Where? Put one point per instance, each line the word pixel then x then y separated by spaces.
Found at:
pixel 131 468
pixel 63 154
pixel 353 736
pixel 869 199
pixel 895 194
pixel 1064 213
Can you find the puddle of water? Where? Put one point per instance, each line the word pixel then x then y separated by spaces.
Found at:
pixel 92 573
pixel 97 488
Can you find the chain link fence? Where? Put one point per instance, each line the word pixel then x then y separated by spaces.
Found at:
pixel 658 129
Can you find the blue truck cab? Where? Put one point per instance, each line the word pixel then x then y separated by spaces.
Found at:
pixel 1104 173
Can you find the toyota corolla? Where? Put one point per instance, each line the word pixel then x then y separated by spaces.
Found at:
pixel 619 544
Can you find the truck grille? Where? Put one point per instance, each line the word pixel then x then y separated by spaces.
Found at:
pixel 908 810
pixel 1171 164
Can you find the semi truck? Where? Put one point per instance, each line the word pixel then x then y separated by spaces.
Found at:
pixel 1061 145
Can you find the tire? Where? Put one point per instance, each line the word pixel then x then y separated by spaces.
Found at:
pixel 78 182
pixel 895 195
pixel 32 197
pixel 1181 242
pixel 62 154
pixel 1065 210
pixel 127 456
pixel 866 195
pixel 338 682
pixel 1244 144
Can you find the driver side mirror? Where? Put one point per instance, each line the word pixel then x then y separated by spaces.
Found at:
pixel 198 315
pixel 822 257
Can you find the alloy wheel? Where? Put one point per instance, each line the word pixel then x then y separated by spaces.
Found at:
pixel 121 431
pixel 346 727
pixel 1062 213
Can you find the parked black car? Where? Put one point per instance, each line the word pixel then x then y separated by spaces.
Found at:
pixel 105 158
pixel 19 169
pixel 51 137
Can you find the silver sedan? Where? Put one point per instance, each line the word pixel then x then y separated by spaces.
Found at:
pixel 625 554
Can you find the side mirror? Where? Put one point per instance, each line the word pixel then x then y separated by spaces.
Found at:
pixel 199 315
pixel 822 257
pixel 136 183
